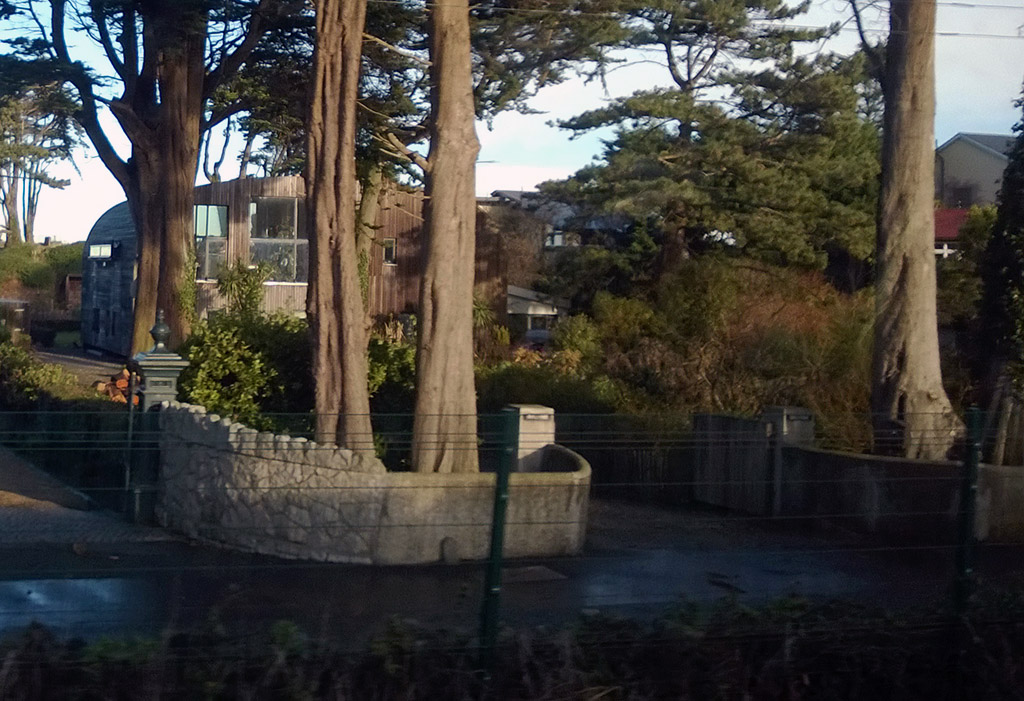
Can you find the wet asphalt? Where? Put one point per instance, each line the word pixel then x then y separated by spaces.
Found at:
pixel 145 587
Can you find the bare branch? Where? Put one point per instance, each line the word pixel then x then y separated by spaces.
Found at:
pixel 104 37
pixel 397 49
pixel 403 151
pixel 87 116
pixel 875 57
pixel 230 64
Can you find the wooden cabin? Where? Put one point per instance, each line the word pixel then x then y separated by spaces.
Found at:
pixel 260 220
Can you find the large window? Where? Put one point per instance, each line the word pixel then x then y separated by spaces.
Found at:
pixel 211 224
pixel 277 237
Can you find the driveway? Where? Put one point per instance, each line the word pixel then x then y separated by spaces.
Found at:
pixel 85 572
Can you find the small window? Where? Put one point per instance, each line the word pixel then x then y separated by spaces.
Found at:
pixel 963 196
pixel 544 322
pixel 390 253
pixel 211 228
pixel 554 239
pixel 100 251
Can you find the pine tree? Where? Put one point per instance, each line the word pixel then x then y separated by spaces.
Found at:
pixel 1002 266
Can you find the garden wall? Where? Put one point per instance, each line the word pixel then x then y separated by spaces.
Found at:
pixel 294 498
pixel 737 466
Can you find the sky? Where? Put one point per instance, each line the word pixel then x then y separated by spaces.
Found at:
pixel 979 71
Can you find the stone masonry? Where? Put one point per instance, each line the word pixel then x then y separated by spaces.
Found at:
pixel 291 497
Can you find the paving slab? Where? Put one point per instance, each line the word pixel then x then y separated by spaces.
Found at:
pixel 37 508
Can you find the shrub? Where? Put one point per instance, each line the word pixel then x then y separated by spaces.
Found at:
pixel 242 287
pixel 64 259
pixel 224 374
pixel 579 335
pixel 392 374
pixel 283 342
pixel 39 267
pixel 517 383
pixel 25 380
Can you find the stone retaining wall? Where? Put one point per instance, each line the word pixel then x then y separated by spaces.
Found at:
pixel 294 498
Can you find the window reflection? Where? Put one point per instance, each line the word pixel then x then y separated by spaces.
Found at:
pixel 278 238
pixel 211 228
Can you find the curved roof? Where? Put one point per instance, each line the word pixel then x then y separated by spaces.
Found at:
pixel 115 225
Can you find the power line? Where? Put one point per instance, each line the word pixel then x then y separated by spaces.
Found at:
pixel 522 11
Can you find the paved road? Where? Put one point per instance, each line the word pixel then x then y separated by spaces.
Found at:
pixel 86 572
pixel 86 367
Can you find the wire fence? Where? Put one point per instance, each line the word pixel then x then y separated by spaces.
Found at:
pixel 204 523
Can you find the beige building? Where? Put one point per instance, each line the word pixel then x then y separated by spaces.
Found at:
pixel 969 169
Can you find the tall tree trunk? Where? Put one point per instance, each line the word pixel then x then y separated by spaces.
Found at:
pixel 243 160
pixel 11 216
pixel 145 202
pixel 333 303
pixel 444 427
pixel 30 204
pixel 164 175
pixel 366 233
pixel 911 407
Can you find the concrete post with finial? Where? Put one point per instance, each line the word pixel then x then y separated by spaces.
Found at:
pixel 159 367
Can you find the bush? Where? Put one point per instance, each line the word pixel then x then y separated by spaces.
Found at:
pixel 39 267
pixel 392 375
pixel 715 334
pixel 242 287
pixel 24 381
pixel 579 335
pixel 283 342
pixel 524 383
pixel 224 374
pixel 65 259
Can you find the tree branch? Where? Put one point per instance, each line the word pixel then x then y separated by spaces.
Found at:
pixel 87 115
pixel 403 151
pixel 230 64
pixel 875 57
pixel 130 47
pixel 108 47
pixel 398 50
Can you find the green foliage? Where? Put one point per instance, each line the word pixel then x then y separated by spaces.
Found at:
pixel 24 381
pixel 40 267
pixel 36 131
pixel 64 259
pixel 127 652
pixel 249 367
pixel 246 364
pixel 391 375
pixel 242 287
pixel 1002 271
pixel 188 294
pixel 224 374
pixel 959 280
pixel 791 648
pixel 785 170
pixel 604 265
pixel 579 334
pixel 521 383
pixel 714 333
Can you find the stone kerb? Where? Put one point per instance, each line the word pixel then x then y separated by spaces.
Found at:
pixel 291 497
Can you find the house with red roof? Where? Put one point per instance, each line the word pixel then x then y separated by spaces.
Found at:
pixel 968 171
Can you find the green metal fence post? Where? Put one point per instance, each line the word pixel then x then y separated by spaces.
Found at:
pixel 492 580
pixel 967 511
